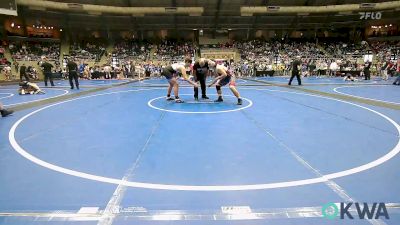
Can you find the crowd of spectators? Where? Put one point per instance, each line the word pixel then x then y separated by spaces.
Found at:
pixel 342 50
pixel 218 45
pixel 34 50
pixel 132 49
pixel 269 50
pixel 88 50
pixel 169 50
pixel 142 68
pixel 134 58
pixel 141 51
pixel 3 60
pixel 259 55
pixel 384 50
pixel 124 69
pixel 327 58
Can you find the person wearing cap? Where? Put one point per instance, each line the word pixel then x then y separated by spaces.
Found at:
pixel 72 69
pixel 200 72
pixel 47 72
pixel 295 71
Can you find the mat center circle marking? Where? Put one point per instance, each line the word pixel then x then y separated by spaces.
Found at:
pixel 150 104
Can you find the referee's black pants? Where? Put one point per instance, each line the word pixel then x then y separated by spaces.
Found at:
pixel 48 76
pixel 295 73
pixel 23 75
pixel 73 75
pixel 202 79
pixel 367 75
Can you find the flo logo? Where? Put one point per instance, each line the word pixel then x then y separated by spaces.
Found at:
pixel 370 15
pixel 364 211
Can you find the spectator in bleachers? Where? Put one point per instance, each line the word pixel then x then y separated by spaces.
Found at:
pixel 7 72
pixel 176 51
pixel 132 49
pixel 33 51
pixel 88 50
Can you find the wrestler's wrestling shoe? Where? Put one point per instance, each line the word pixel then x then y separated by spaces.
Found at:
pixel 6 112
pixel 219 99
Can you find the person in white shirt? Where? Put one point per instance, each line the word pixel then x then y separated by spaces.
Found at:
pixel 384 70
pixel 107 71
pixel 7 72
pixel 333 68
pixel 139 70
pixel 171 72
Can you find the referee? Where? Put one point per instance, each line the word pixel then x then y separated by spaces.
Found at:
pixel 295 71
pixel 200 71
pixel 367 72
pixel 47 72
pixel 72 68
pixel 22 72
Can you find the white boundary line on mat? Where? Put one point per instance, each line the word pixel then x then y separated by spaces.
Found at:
pixel 285 184
pixel 356 96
